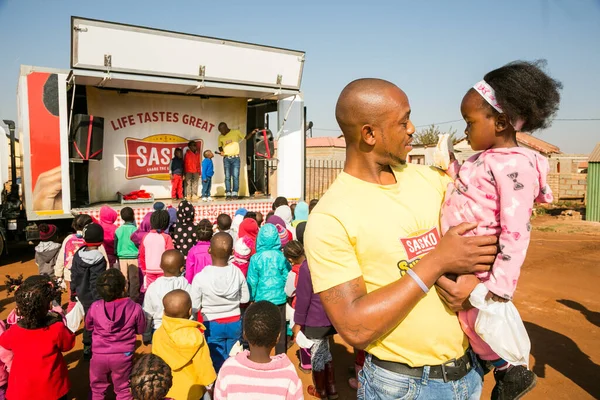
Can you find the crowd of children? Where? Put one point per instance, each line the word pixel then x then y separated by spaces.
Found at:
pixel 210 298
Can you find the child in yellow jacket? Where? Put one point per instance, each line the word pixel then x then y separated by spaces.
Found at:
pixel 180 343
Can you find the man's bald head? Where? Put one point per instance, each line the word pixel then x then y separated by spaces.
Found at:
pixel 364 102
pixel 177 304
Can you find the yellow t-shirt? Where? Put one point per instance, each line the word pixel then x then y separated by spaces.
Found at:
pixel 378 231
pixel 231 142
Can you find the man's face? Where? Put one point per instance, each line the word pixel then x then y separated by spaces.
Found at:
pixel 223 129
pixel 395 128
pixel 193 147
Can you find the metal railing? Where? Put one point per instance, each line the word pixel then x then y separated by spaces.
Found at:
pixel 320 174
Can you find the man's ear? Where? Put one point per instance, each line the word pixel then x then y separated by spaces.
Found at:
pixel 502 123
pixel 367 135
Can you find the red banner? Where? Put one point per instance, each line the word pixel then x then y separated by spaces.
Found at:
pixel 150 157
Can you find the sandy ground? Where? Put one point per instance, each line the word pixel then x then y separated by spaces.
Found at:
pixel 557 299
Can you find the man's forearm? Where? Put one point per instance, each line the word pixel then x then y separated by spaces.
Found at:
pixel 361 318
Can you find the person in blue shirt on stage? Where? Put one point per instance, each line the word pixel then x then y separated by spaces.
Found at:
pixel 208 171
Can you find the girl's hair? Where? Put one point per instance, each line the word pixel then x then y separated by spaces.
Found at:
pixel 526 93
pixel 293 250
pixel 33 297
pixel 80 221
pixel 280 201
pixel 160 220
pixel 205 230
pixel 111 284
pixel 151 378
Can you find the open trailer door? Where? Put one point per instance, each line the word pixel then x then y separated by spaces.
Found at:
pixel 42 115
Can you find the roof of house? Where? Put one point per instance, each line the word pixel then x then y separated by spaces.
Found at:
pixel 537 143
pixel 595 156
pixel 532 142
pixel 326 142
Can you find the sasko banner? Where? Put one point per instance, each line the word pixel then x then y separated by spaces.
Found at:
pixel 142 131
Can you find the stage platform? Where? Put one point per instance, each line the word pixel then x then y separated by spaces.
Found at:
pixel 204 210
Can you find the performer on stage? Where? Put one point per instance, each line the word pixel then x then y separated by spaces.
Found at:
pixel 229 148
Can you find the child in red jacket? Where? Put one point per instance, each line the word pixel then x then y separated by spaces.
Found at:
pixel 191 167
pixel 37 341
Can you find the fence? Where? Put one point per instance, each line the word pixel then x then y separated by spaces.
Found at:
pixel 320 174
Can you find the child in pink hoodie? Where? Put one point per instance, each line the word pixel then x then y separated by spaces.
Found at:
pixel 497 189
pixel 198 257
pixel 154 244
pixel 115 320
pixel 108 217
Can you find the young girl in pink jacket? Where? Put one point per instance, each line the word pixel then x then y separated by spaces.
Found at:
pixel 497 189
pixel 154 244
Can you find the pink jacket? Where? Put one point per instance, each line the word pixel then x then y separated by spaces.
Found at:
pixel 108 217
pixel 6 357
pixel 152 248
pixel 197 259
pixel 497 189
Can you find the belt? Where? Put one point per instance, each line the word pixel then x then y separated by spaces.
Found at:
pixel 451 370
pixel 237 156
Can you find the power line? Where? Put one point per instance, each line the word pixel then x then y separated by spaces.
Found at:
pixel 460 120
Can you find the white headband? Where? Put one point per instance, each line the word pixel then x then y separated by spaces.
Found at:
pixel 488 93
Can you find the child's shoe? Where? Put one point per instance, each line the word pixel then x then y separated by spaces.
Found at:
pixel 513 383
pixel 204 199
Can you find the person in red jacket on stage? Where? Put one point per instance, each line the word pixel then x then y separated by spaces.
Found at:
pixel 191 166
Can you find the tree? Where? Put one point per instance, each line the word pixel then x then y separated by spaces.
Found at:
pixel 429 136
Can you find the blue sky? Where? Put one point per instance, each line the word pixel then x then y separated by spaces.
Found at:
pixel 434 50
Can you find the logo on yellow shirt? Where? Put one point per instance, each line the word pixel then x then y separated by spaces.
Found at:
pixel 416 246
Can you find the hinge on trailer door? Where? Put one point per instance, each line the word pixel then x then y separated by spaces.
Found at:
pixel 78 29
pixel 201 75
pixel 108 61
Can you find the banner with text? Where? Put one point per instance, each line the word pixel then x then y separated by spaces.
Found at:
pixel 142 131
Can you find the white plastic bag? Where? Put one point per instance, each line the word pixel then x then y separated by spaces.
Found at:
pixel 303 342
pixel 500 326
pixel 237 348
pixel 75 316
pixel 441 155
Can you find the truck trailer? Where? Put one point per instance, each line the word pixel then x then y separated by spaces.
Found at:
pixel 108 127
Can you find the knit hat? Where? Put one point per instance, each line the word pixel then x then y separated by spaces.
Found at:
pixel 47 231
pixel 159 205
pixel 242 250
pixel 241 211
pixel 283 235
pixel 93 234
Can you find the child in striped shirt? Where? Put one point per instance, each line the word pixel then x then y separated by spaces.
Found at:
pixel 254 374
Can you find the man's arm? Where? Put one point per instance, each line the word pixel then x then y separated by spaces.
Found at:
pixel 248 136
pixel 361 318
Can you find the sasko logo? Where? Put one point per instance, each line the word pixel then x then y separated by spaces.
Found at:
pixel 420 244
pixel 150 157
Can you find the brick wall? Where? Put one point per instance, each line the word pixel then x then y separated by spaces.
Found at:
pixel 568 186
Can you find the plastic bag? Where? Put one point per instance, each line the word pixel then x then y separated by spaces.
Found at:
pixel 75 316
pixel 501 327
pixel 441 155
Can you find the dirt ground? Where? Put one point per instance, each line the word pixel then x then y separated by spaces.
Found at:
pixel 557 298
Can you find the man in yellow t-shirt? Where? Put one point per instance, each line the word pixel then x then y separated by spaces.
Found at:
pixel 374 251
pixel 229 148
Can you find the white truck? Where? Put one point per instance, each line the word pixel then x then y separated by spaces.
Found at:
pixel 109 125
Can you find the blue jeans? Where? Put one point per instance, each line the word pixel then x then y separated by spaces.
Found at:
pixel 206 187
pixel 220 339
pixel 377 383
pixel 232 170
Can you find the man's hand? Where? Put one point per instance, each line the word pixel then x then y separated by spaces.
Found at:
pixel 47 194
pixel 494 297
pixel 456 294
pixel 458 254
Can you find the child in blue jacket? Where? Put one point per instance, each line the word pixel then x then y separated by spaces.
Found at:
pixel 267 275
pixel 208 170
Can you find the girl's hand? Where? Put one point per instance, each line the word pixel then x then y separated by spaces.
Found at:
pixel 492 296
pixel 296 328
